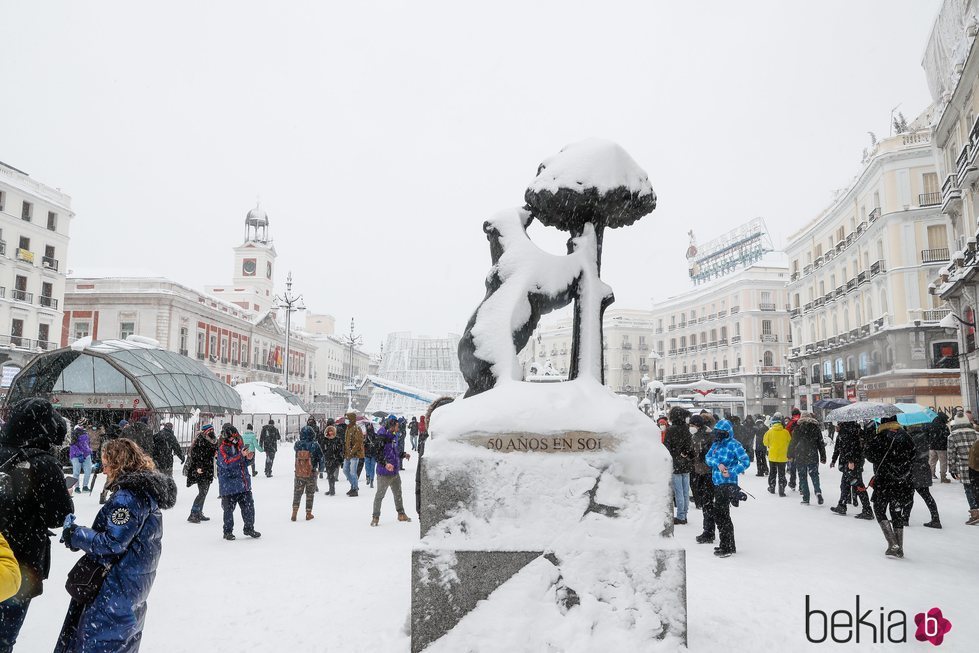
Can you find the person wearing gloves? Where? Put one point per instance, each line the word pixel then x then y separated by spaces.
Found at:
pixel 235 483
pixel 127 534
pixel 727 459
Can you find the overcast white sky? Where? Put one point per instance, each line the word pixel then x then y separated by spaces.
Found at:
pixel 380 135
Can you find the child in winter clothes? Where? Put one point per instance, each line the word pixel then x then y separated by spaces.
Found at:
pixel 309 457
pixel 235 483
pixel 727 459
pixel 251 441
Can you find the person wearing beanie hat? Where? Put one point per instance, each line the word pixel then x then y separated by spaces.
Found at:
pixel 727 459
pixel 892 452
pixel 700 478
pixel 32 500
pixel 388 468
pixel 200 470
pixel 961 442
pixel 662 423
pixel 776 441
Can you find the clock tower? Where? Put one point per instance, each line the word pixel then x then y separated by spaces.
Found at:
pixel 253 277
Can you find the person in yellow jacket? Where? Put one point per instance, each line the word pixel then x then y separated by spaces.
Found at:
pixel 9 571
pixel 777 440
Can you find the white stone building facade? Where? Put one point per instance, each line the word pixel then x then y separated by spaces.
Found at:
pixel 34 235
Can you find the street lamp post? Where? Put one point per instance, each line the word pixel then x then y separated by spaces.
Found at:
pixel 290 303
pixel 351 340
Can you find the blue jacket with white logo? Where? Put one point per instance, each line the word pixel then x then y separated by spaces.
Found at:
pixel 127 533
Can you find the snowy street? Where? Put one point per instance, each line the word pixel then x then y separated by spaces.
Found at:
pixel 335 583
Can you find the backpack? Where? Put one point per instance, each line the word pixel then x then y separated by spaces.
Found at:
pixel 974 456
pixel 304 464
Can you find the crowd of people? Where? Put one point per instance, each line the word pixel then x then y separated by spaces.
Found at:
pixel 110 583
pixel 709 452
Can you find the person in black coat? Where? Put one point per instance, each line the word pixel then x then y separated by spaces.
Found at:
pixel 761 451
pixel 33 498
pixel 165 447
pixel 921 473
pixel 200 471
pixel 938 447
pixel 807 450
pixel 269 441
pixel 848 452
pixel 892 452
pixel 332 457
pixel 701 481
pixel 680 445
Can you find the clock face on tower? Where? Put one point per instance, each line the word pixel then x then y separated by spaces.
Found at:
pixel 248 267
pixel 268 270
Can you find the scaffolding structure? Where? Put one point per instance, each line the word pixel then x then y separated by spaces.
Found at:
pixel 431 364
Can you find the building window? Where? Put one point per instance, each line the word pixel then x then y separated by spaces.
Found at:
pixel 234 352
pixel 766 327
pixel 52 221
pixel 183 340
pixel 24 243
pixel 43 335
pixel 213 351
pixel 17 332
pixel 201 344
pixel 768 359
pixel 3 200
pixel 126 329
pixel 82 329
pixel 26 211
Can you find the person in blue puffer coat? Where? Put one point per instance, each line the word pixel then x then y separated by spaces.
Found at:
pixel 726 459
pixel 127 533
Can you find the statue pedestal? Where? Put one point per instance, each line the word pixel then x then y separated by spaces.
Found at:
pixel 537 542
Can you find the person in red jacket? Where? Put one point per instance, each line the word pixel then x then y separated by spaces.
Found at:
pixel 789 426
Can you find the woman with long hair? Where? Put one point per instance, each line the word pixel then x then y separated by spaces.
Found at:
pixel 108 609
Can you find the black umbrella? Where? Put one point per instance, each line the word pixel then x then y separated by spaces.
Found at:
pixel 831 404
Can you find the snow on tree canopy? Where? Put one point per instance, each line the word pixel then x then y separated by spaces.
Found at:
pixel 590 181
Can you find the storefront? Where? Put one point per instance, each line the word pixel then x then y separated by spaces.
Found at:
pixel 935 388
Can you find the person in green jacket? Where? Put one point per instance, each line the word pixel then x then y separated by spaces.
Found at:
pixel 777 440
pixel 251 443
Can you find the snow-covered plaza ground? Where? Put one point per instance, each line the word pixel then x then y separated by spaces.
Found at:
pixel 335 584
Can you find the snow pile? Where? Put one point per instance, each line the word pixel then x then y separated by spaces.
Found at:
pixel 592 163
pixel 265 398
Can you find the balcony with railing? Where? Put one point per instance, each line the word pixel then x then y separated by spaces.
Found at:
pixel 771 369
pixel 659 331
pixel 722 342
pixel 49 263
pixel 22 296
pixel 938 255
pixel 735 309
pixel 930 199
pixel 3 248
pixel 818 302
pixel 806 270
pixel 766 306
pixel 627 366
pixel 25 255
pixel 877 267
pixel 769 337
pixel 47 302
pixel 951 195
pixel 862 277
pixel 794 312
pixel 627 345
pixel 712 344
pixel 735 340
pixel 807 307
pixel 643 346
pixel 874 215
pixel 935 314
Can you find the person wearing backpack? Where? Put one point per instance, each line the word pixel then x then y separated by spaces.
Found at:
pixel 388 471
pixel 309 458
pixel 32 500
pixel 962 441
pixel 269 441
